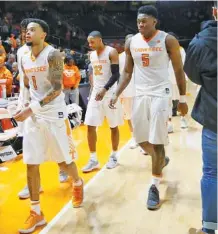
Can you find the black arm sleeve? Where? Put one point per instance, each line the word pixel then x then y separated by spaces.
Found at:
pixel 115 76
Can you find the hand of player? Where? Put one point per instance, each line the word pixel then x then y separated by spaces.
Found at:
pixel 23 115
pixel 99 96
pixel 183 108
pixel 113 101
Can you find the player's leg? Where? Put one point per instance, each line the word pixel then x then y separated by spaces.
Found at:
pixel 94 118
pixel 158 137
pixel 115 119
pixel 33 155
pixel 63 152
pixel 127 104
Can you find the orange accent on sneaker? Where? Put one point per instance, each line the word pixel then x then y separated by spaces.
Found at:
pixel 77 198
pixel 34 220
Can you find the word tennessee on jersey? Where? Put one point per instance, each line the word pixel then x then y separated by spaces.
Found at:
pixel 37 72
pixel 151 62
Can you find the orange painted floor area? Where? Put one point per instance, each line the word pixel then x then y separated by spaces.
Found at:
pixel 13 211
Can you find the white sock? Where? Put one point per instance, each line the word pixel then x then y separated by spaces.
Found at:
pixel 156 181
pixel 77 183
pixel 35 206
pixel 114 153
pixel 93 156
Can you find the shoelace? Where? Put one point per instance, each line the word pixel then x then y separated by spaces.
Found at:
pixel 31 216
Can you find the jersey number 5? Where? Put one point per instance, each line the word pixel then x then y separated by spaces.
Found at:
pixel 34 82
pixel 97 70
pixel 145 60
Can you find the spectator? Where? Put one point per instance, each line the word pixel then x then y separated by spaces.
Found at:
pixel 71 80
pixel 16 77
pixel 201 68
pixel 11 60
pixel 6 74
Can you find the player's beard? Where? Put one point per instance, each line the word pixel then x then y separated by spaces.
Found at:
pixel 29 43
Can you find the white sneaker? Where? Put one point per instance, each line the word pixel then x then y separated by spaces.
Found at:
pixel 92 165
pixel 170 127
pixel 133 144
pixel 25 193
pixel 112 162
pixel 183 122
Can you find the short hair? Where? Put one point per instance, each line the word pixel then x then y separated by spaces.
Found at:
pixel 128 36
pixel 42 24
pixel 148 10
pixel 25 22
pixel 95 34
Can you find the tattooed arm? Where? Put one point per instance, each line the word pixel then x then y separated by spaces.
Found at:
pixel 55 76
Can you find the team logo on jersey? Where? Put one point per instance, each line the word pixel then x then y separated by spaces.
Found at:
pixel 167 90
pixel 60 115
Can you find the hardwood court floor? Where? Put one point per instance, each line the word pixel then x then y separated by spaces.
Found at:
pixel 13 212
pixel 115 200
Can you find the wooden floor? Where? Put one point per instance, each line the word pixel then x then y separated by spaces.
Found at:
pixel 115 200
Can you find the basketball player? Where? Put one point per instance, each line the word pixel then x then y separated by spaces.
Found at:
pixel 149 52
pixel 127 96
pixel 24 98
pixel 105 64
pixel 46 128
pixel 175 92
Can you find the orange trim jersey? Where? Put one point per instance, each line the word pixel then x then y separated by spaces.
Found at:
pixel 101 71
pixel 151 63
pixel 37 71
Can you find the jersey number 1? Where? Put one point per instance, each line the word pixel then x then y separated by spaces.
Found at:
pixel 145 60
pixel 34 82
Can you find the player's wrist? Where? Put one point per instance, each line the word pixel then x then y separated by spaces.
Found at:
pixel 182 99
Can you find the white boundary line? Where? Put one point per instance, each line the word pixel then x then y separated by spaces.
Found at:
pixel 69 204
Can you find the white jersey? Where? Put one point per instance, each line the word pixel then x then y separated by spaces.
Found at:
pixel 101 71
pixel 151 62
pixel 129 91
pixel 172 76
pixel 24 92
pixel 37 72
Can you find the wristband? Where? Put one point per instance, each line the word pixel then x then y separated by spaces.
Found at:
pixel 182 99
pixel 35 106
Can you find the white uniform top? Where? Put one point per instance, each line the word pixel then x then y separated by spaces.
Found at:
pixel 151 62
pixel 24 93
pixel 37 71
pixel 129 91
pixel 172 76
pixel 101 71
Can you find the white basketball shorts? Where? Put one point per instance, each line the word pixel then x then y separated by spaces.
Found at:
pixel 98 110
pixel 45 140
pixel 149 119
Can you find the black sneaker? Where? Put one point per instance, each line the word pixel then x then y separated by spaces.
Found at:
pixel 153 202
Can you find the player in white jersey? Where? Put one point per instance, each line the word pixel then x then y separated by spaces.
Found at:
pixel 175 92
pixel 105 64
pixel 24 98
pixel 127 96
pixel 149 52
pixel 47 133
